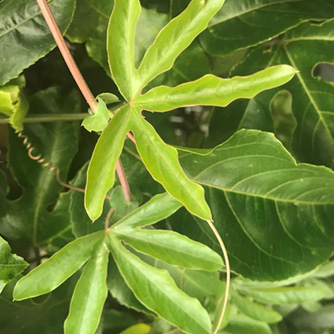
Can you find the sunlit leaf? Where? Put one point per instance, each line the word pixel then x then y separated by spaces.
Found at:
pixel 89 295
pixel 53 272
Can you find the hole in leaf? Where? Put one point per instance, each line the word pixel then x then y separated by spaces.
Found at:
pixel 283 119
pixel 324 71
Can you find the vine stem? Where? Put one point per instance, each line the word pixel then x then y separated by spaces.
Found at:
pixel 228 274
pixel 80 81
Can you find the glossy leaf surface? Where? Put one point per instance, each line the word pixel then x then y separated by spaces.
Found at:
pixel 162 162
pixel 174 38
pixel 172 248
pixel 50 274
pixel 211 90
pixel 101 170
pixel 279 212
pixel 156 289
pixel 22 28
pixel 89 295
pixel 120 44
pixel 157 208
pixel 10 264
pixel 261 19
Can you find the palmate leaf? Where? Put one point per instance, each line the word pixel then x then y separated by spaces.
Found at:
pixel 89 295
pixel 261 19
pixel 160 159
pixel 22 27
pixel 274 216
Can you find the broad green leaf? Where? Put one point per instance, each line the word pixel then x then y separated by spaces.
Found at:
pixel 89 295
pixel 28 217
pixel 287 295
pixel 120 44
pixel 157 208
pixel 101 170
pixel 156 290
pixel 22 28
pixel 176 36
pixel 241 24
pixel 326 270
pixel 53 272
pixel 241 324
pixel 211 90
pixel 255 310
pixel 312 97
pixel 171 247
pixel 13 103
pixel 161 160
pixel 137 329
pixel 10 264
pixel 279 212
pixel 98 121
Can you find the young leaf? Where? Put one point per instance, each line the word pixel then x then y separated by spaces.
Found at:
pixel 13 103
pixel 10 264
pixel 211 90
pixel 63 264
pixel 89 295
pixel 171 247
pixel 98 121
pixel 25 16
pixel 174 38
pixel 120 44
pixel 101 170
pixel 241 324
pixel 157 291
pixel 137 329
pixel 162 162
pixel 157 208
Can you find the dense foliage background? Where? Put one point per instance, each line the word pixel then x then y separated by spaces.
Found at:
pixel 271 197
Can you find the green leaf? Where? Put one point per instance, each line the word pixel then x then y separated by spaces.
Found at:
pixel 23 27
pixel 161 160
pixel 53 272
pixel 171 247
pixel 175 37
pixel 10 264
pixel 156 290
pixel 120 44
pixel 121 292
pixel 101 170
pixel 157 208
pixel 241 24
pixel 241 324
pixel 13 103
pixel 28 217
pixel 211 90
pixel 254 310
pixel 278 211
pixel 98 121
pixel 89 295
pixel 287 295
pixel 312 97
